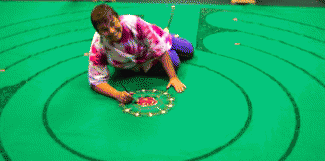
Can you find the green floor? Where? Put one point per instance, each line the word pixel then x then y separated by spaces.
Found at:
pixel 260 100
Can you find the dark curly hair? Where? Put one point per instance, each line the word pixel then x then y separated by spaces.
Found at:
pixel 102 13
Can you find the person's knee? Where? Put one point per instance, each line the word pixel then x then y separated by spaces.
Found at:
pixel 190 49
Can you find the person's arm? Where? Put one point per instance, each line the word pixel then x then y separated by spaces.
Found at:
pixel 168 65
pixel 98 77
pixel 106 89
pixel 98 72
pixel 173 79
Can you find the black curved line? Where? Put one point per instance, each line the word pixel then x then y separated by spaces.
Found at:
pixel 217 29
pixel 296 110
pixel 310 52
pixel 21 60
pixel 4 154
pixel 303 70
pixel 252 13
pixel 22 83
pixel 48 129
pixel 295 106
pixel 17 87
pixel 41 18
pixel 205 27
pixel 51 25
pixel 39 39
pixel 56 15
pixel 51 49
pixel 296 33
pixel 211 153
pixel 205 13
pixel 62 33
pixel 289 150
pixel 200 41
pixel 241 132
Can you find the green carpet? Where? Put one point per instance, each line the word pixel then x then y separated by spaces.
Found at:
pixel 255 87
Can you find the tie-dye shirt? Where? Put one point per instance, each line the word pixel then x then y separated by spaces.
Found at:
pixel 142 44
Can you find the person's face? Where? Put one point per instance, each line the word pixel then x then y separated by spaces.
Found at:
pixel 111 30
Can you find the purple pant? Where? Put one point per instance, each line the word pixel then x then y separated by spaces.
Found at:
pixel 180 47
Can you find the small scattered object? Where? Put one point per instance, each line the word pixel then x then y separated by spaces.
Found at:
pixel 2 70
pixel 237 43
pixel 235 19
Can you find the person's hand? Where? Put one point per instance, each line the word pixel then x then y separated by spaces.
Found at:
pixel 125 97
pixel 178 85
